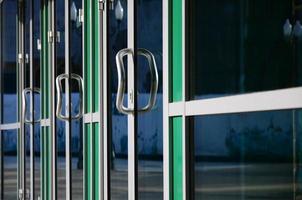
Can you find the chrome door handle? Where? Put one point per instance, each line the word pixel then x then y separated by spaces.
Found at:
pixel 24 105
pixel 122 80
pixel 59 96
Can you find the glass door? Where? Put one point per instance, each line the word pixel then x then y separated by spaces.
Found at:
pixel 233 99
pixel 135 126
pixel 69 87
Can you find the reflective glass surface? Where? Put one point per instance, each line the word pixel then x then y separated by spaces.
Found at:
pixel 118 123
pixel 9 164
pixel 243 46
pixel 9 61
pixel 150 126
pixel 247 155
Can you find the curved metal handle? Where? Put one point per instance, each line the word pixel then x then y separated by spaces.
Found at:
pixel 122 80
pixel 80 81
pixel 24 105
pixel 59 96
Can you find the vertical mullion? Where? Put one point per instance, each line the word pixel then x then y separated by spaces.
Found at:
pixel 100 45
pixel 21 65
pixel 84 100
pixel 184 95
pixel 32 138
pixel 91 141
pixel 1 100
pixel 104 102
pixel 166 137
pixel 107 112
pixel 132 103
pixel 52 67
pixel 68 104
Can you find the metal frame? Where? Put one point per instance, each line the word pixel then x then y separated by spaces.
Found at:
pixel 132 123
pixel 21 67
pixel 1 100
pixel 258 101
pixel 52 75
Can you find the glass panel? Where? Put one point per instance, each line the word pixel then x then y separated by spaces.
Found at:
pixel 9 62
pixel 10 163
pixel 248 155
pixel 243 46
pixel 150 127
pixel 118 125
pixel 75 47
pixel 60 129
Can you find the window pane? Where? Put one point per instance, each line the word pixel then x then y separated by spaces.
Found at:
pixel 240 46
pixel 248 155
pixel 9 63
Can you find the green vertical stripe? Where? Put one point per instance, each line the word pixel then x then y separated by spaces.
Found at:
pixel 44 84
pixel 176 50
pixel 177 158
pixel 96 158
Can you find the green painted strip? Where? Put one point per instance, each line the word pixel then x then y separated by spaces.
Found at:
pixel 96 159
pixel 45 132
pixel 177 158
pixel 176 50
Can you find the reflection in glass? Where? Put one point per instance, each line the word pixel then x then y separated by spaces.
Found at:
pixel 243 46
pixel 118 125
pixel 150 127
pixel 76 49
pixel 248 155
pixel 10 163
pixel 9 62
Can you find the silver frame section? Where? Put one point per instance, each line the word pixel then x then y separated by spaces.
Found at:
pixel 166 138
pixel 21 65
pixel 132 168
pixel 52 74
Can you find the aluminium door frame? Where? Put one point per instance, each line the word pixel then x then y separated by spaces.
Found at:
pixel 281 99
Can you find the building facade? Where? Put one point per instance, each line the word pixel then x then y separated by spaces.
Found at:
pixel 150 99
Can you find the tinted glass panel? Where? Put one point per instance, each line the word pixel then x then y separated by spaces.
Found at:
pixel 248 155
pixel 10 162
pixel 118 123
pixel 9 62
pixel 150 127
pixel 243 46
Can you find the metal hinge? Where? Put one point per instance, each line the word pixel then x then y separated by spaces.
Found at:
pixel 111 4
pixel 81 16
pixel 26 58
pixel 23 196
pixel 52 37
pixel 39 44
pixel 102 4
pixel 20 58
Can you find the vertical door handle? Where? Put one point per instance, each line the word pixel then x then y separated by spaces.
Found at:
pixel 122 80
pixel 80 81
pixel 24 105
pixel 60 98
